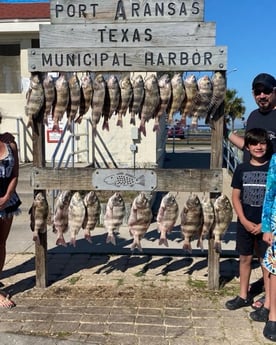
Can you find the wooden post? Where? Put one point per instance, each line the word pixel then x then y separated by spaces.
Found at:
pixel 216 162
pixel 41 248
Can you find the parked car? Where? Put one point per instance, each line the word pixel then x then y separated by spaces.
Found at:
pixel 176 131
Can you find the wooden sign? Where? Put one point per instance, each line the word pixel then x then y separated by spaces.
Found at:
pixel 131 59
pixel 85 11
pixel 127 35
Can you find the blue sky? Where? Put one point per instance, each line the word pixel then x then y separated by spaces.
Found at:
pixel 247 28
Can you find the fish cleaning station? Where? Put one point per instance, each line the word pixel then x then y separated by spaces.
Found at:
pixel 123 69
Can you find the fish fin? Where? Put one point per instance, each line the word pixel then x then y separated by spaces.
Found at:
pixel 187 247
pixel 61 242
pixel 73 242
pixel 163 241
pixel 88 237
pixel 111 239
pixel 200 244
pixel 136 244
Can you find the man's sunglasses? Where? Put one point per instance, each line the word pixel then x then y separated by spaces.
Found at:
pixel 266 91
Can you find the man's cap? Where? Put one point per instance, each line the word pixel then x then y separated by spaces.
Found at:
pixel 264 79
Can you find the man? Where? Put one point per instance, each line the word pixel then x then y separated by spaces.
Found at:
pixel 264 93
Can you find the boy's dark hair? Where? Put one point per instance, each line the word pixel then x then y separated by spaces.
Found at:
pixel 255 136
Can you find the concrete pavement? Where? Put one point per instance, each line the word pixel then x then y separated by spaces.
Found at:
pixel 102 294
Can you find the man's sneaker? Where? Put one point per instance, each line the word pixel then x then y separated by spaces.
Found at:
pixel 260 315
pixel 238 302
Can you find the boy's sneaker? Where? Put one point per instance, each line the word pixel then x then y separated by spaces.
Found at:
pixel 260 315
pixel 238 302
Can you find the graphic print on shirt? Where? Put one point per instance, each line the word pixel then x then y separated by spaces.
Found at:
pixel 254 183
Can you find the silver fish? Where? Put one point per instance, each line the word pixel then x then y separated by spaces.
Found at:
pixel 203 99
pixel 60 218
pixel 191 220
pixel 223 218
pixel 137 99
pixel 49 93
pixel 218 96
pixel 92 215
pixel 151 101
pixel 165 89
pixel 112 99
pixel 126 96
pixel 39 215
pixel 76 216
pixel 178 96
pixel 114 215
pixel 166 217
pixel 139 219
pixel 99 87
pixel 61 102
pixel 124 179
pixel 208 219
pixel 74 99
pixel 35 100
pixel 86 91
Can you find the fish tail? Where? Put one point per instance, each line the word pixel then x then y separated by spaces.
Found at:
pixel 156 127
pixel 200 244
pixel 187 246
pixel 73 242
pixel 61 242
pixel 105 126
pixel 88 238
pixel 132 121
pixel 142 129
pixel 111 239
pixel 217 247
pixel 163 241
pixel 136 244
pixel 141 180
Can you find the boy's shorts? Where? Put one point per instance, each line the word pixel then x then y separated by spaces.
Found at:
pixel 249 244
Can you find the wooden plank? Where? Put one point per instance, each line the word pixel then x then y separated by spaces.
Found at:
pixel 85 11
pixel 187 180
pixel 215 163
pixel 155 59
pixel 126 35
pixel 41 247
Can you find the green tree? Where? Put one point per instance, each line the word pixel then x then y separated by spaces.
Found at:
pixel 233 107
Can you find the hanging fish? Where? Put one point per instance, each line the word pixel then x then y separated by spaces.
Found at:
pixel 38 216
pixel 223 218
pixel 208 219
pixel 86 95
pixel 151 101
pixel 99 87
pixel 61 101
pixel 136 102
pixel 165 90
pixel 114 215
pixel 112 99
pixel 74 99
pixel 92 214
pixel 191 89
pixel 177 97
pixel 35 100
pixel 191 220
pixel 203 99
pixel 60 216
pixel 76 216
pixel 139 219
pixel 49 93
pixel 126 96
pixel 218 96
pixel 166 217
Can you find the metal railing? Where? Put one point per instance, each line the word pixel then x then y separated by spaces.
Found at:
pixel 232 156
pixel 23 138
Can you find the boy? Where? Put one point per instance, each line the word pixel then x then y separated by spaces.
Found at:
pixel 248 192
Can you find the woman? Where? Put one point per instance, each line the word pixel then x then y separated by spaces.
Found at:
pixel 9 200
